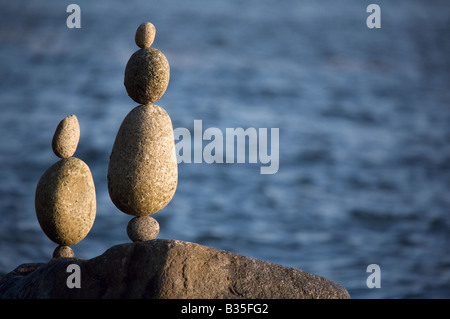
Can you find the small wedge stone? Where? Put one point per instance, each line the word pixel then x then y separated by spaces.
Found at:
pixel 142 228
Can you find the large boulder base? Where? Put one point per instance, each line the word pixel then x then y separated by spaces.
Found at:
pixel 167 269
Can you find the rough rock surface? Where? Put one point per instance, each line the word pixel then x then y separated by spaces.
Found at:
pixel 143 171
pixel 147 75
pixel 164 268
pixel 142 228
pixel 66 137
pixel 63 251
pixel 65 201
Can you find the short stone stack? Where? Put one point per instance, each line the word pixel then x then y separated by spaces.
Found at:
pixel 143 172
pixel 65 199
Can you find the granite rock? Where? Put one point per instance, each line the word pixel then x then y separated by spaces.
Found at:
pixel 65 201
pixel 145 35
pixel 66 137
pixel 168 269
pixel 63 251
pixel 147 75
pixel 143 171
pixel 142 228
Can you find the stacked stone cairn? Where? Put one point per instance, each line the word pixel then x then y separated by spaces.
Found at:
pixel 65 198
pixel 143 172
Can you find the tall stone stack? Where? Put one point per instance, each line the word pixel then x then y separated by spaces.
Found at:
pixel 65 199
pixel 143 172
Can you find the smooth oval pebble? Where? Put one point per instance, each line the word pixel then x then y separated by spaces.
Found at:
pixel 145 35
pixel 66 137
pixel 143 172
pixel 142 228
pixel 65 201
pixel 147 75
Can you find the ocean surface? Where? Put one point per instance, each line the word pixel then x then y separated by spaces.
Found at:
pixel 363 117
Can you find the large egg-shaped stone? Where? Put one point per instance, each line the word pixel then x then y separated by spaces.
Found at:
pixel 143 172
pixel 66 202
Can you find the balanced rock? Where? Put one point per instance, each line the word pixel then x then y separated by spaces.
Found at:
pixel 145 35
pixel 142 228
pixel 63 252
pixel 143 172
pixel 147 75
pixel 168 269
pixel 65 201
pixel 66 137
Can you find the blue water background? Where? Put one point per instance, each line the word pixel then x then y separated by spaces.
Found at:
pixel 363 116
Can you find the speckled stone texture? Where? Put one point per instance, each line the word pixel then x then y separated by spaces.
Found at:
pixel 143 172
pixel 63 252
pixel 142 228
pixel 147 75
pixel 168 269
pixel 65 201
pixel 66 137
pixel 145 35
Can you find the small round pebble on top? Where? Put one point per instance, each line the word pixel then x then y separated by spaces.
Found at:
pixel 145 35
pixel 66 137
